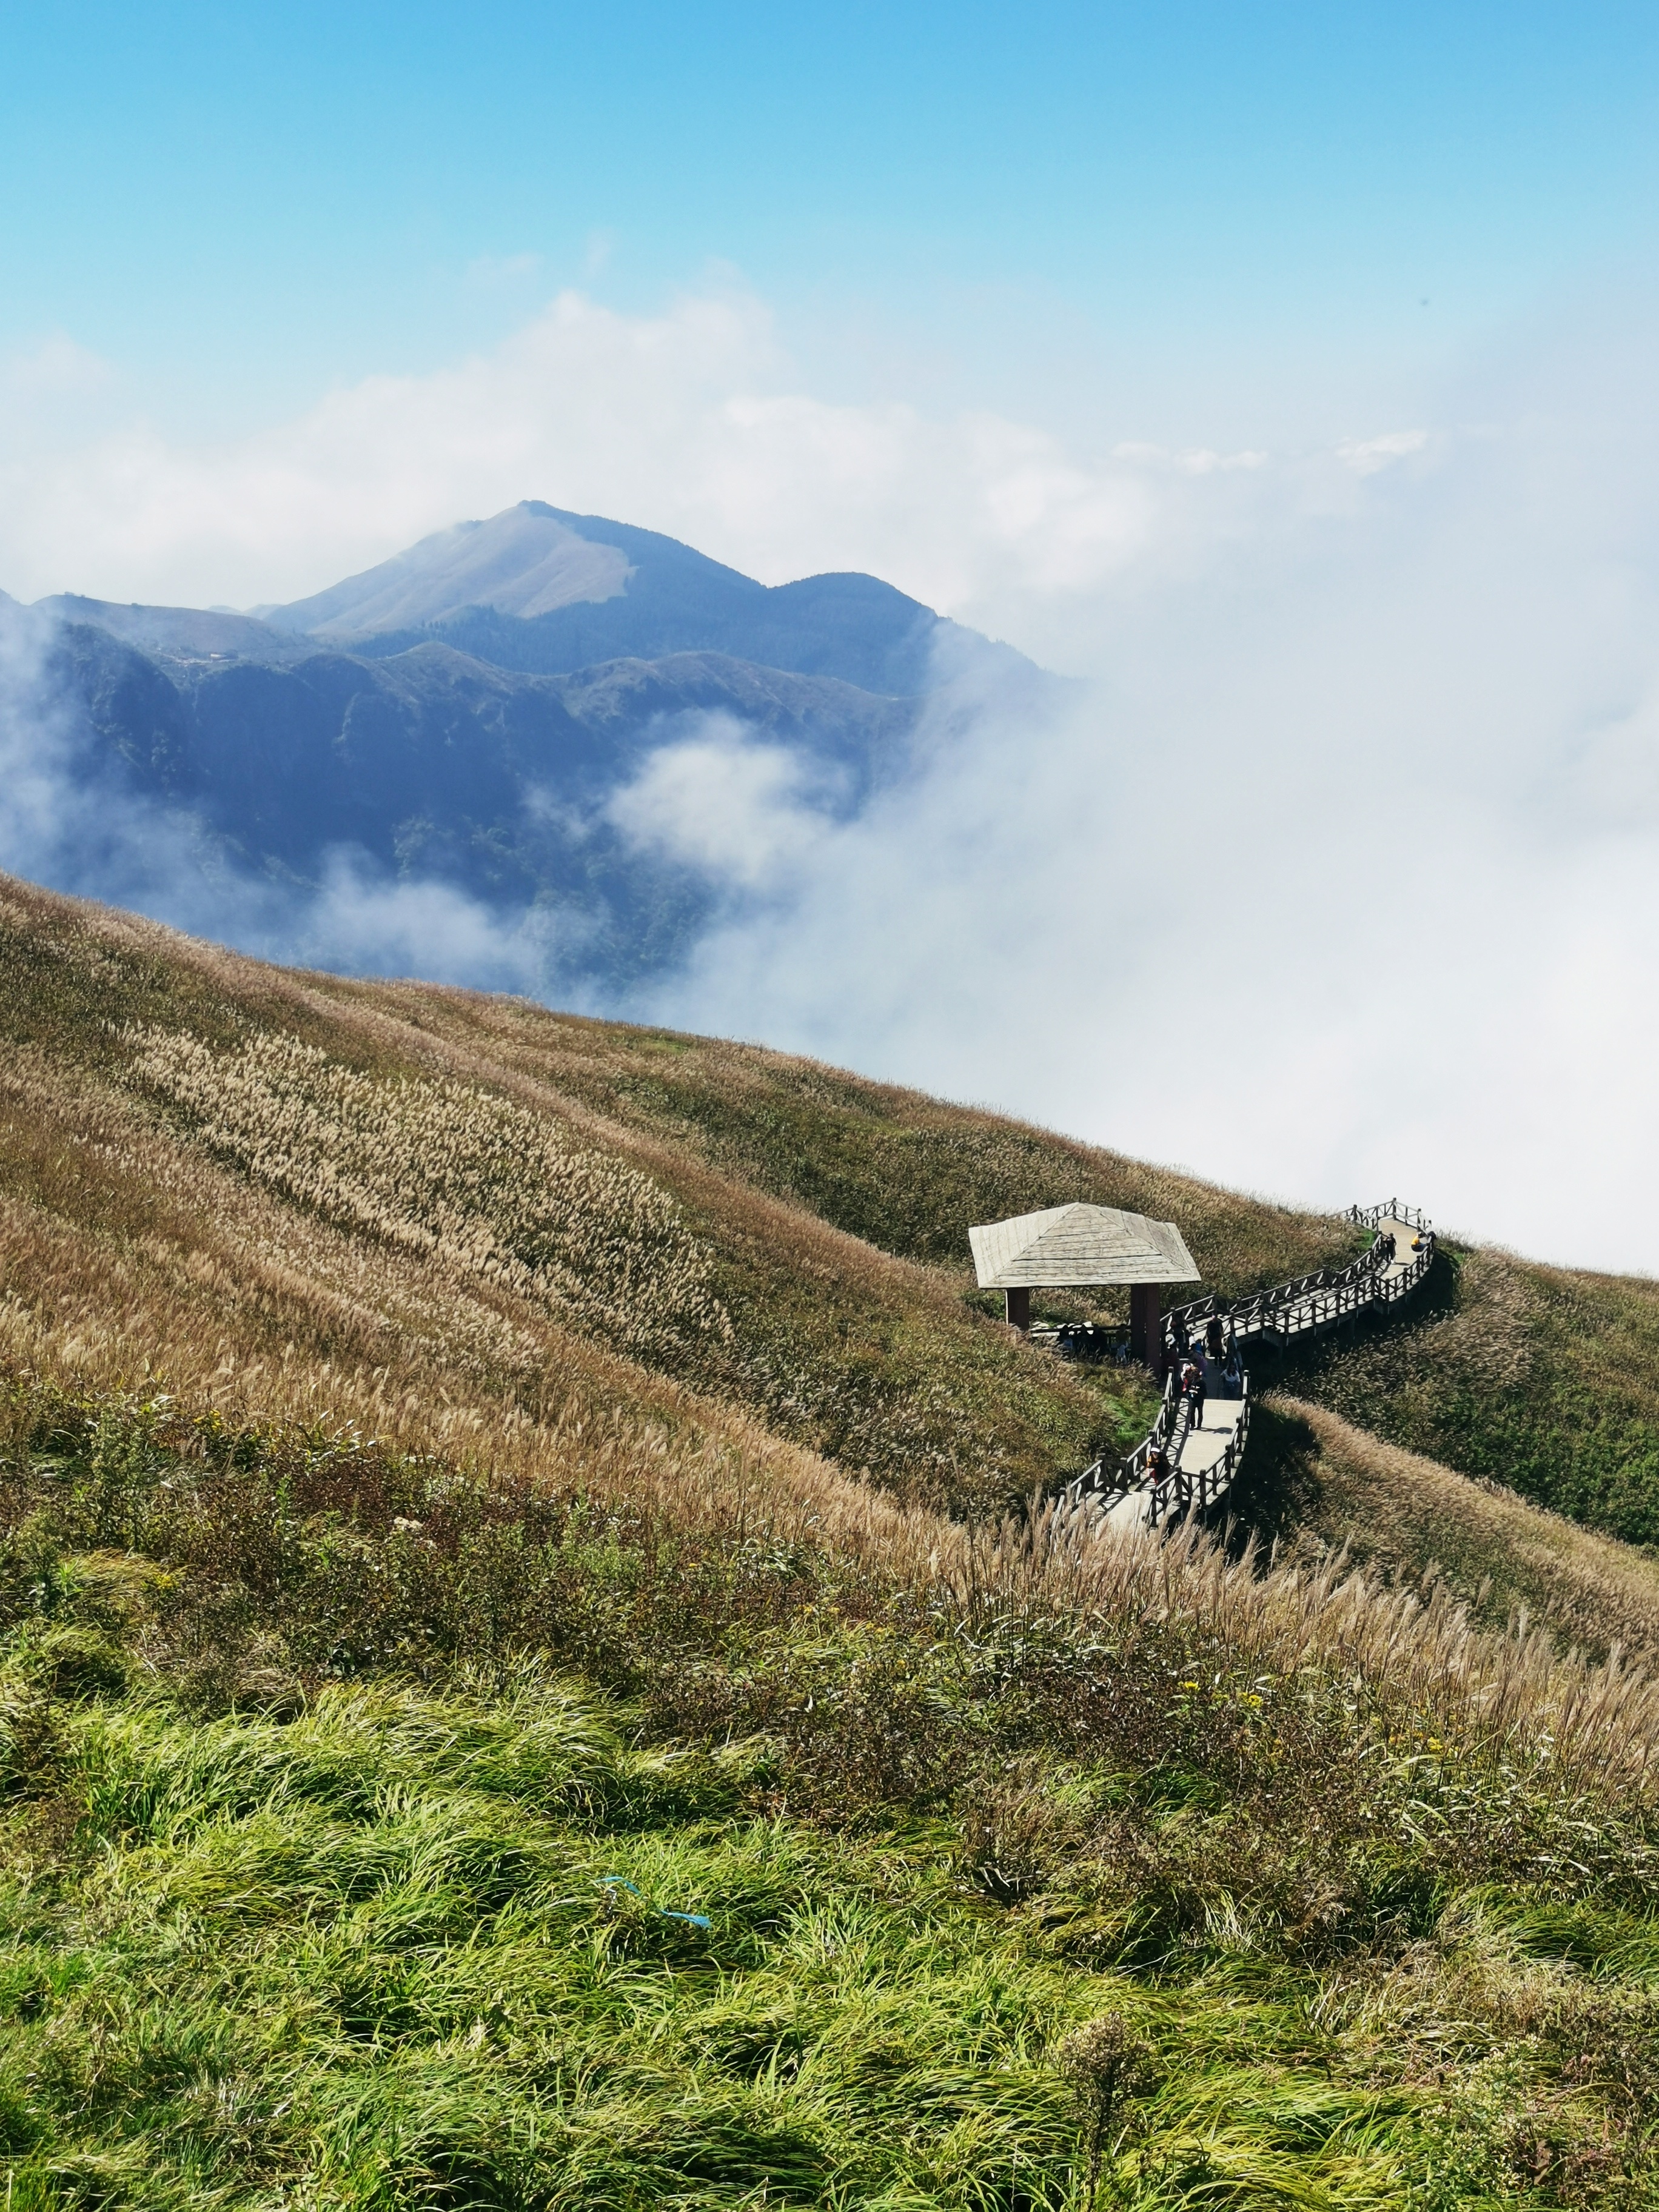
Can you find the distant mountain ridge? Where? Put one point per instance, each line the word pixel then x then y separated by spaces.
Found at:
pixel 188 633
pixel 468 714
pixel 546 590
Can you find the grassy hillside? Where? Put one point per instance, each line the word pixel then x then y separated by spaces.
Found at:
pixel 1544 1379
pixel 472 1733
pixel 411 1184
pixel 1321 1487
pixel 380 1835
pixel 904 1172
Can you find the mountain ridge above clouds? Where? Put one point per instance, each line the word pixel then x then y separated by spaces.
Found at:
pixel 188 633
pixel 525 561
pixel 548 591
pixel 224 770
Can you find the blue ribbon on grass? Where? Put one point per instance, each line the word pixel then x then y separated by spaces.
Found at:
pixel 619 1881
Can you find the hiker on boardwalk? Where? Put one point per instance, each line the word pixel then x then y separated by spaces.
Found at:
pixel 1215 1338
pixel 1192 1385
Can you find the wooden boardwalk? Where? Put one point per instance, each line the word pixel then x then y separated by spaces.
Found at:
pixel 1181 1468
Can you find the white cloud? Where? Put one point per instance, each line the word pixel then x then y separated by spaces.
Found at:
pixel 1346 879
pixel 736 811
pixel 1343 878
pixel 1365 455
pixel 364 924
pixel 692 421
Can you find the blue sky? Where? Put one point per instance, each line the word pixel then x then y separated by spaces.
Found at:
pixel 239 206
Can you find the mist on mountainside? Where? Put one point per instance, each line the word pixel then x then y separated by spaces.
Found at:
pixel 434 767
pixel 1341 878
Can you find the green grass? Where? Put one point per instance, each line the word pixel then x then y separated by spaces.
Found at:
pixel 348 1806
pixel 401 1949
pixel 1541 1378
pixel 406 1949
pixel 417 1949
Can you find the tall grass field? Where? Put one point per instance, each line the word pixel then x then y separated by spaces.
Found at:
pixel 538 1667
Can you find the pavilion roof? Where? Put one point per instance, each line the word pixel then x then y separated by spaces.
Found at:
pixel 1079 1244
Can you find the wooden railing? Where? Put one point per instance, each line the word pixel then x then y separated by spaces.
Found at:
pixel 1409 1217
pixel 1175 1490
pixel 1091 1341
pixel 1307 1306
pixel 1312 1303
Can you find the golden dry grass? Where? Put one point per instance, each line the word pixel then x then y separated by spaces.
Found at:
pixel 403 1206
pixel 1411 1520
pixel 904 1172
pixel 305 1202
pixel 452 1170
pixel 1545 1379
pixel 451 1174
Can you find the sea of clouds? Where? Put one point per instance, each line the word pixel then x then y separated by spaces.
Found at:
pixel 1336 875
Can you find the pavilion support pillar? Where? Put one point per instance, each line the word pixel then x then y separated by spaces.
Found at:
pixel 1146 1324
pixel 1017 1306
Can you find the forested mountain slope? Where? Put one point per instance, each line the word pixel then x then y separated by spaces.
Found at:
pixel 518 1687
pixel 432 767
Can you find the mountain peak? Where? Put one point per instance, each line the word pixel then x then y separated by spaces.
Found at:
pixel 525 561
pixel 544 591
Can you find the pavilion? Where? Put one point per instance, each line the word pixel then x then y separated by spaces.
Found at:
pixel 1077 1247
